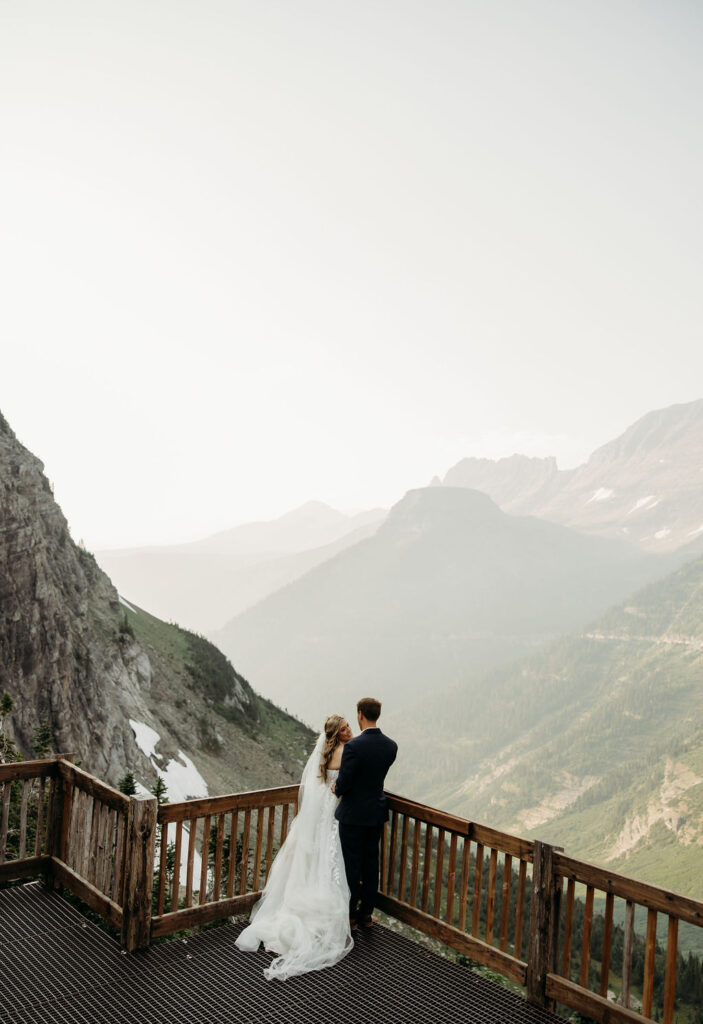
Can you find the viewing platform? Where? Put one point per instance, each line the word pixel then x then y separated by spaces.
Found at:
pixel 58 967
pixel 559 928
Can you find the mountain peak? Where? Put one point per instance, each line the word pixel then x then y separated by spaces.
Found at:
pixel 512 482
pixel 644 486
pixel 428 508
pixel 655 431
pixel 312 510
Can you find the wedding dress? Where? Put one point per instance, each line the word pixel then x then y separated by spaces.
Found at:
pixel 303 912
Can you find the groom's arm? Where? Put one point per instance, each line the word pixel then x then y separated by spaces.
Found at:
pixel 347 770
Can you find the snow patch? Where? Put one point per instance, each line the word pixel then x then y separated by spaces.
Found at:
pixel 127 604
pixel 661 534
pixel 602 494
pixel 694 533
pixel 146 737
pixel 182 778
pixel 183 781
pixel 644 503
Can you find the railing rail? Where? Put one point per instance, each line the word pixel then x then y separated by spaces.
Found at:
pixel 521 907
pixel 234 837
pixel 574 982
pixel 452 879
pixel 90 858
pixel 26 789
pixel 87 836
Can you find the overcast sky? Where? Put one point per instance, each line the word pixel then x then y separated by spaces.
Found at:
pixel 257 253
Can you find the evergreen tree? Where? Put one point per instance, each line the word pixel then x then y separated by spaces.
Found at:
pixel 43 742
pixel 127 783
pixel 160 791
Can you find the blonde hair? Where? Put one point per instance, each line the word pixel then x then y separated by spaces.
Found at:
pixel 332 726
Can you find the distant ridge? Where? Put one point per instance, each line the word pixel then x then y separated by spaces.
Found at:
pixel 448 586
pixel 646 485
pixel 202 585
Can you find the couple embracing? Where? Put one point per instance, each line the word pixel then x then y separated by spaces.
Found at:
pixel 322 885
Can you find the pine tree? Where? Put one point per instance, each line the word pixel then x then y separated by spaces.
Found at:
pixel 43 743
pixel 159 791
pixel 127 783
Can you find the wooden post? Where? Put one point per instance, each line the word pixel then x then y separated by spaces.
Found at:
pixel 139 872
pixel 544 923
pixel 59 806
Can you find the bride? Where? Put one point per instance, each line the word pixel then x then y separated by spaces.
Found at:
pixel 303 912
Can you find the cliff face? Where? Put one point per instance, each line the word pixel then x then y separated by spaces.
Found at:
pixel 74 656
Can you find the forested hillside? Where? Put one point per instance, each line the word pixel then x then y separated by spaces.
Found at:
pixel 595 744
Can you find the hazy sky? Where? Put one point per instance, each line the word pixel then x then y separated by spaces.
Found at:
pixel 256 253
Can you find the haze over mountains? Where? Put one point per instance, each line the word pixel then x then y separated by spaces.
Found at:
pixel 540 661
pixel 204 584
pixel 448 586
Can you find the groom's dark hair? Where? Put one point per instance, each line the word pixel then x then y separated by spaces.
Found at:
pixel 370 708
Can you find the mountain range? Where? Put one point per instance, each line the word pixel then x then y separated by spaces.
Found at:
pixel 645 486
pixel 448 586
pixel 535 635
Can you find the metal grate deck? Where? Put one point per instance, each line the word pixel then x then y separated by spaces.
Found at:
pixel 57 967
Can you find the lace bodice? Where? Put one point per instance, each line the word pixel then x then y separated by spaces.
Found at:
pixel 332 776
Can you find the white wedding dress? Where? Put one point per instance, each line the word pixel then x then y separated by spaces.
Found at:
pixel 303 912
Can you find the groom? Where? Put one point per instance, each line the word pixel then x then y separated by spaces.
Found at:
pixel 362 810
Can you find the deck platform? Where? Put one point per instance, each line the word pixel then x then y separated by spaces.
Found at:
pixel 56 966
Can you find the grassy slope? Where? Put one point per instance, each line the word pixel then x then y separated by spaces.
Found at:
pixel 234 749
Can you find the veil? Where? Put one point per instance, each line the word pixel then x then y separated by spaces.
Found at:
pixel 303 912
pixel 311 785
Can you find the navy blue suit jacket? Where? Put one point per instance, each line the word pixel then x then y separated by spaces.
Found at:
pixel 365 762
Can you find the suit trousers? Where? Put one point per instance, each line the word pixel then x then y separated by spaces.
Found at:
pixel 360 851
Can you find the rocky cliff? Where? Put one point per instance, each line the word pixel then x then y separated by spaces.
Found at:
pixel 75 656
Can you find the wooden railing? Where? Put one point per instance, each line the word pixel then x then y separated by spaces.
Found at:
pixel 446 876
pixel 234 864
pixel 568 978
pixel 27 791
pixel 520 907
pixel 83 835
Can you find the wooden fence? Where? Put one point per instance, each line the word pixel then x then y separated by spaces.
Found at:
pixel 520 907
pixel 60 822
pixel 234 864
pixel 452 878
pixel 568 971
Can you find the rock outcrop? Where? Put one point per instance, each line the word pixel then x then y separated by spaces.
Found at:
pixel 75 656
